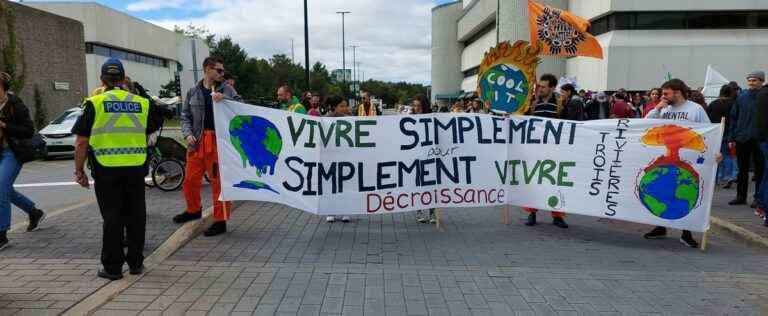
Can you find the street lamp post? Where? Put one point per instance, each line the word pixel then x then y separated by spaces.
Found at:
pixel 354 66
pixel 306 46
pixel 343 48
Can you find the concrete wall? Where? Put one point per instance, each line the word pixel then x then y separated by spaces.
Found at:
pixel 473 54
pixel 640 59
pixel 446 75
pixel 187 65
pixel 114 28
pixel 53 51
pixel 590 9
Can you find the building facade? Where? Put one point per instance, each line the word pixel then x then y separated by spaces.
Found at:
pixel 49 58
pixel 643 41
pixel 152 55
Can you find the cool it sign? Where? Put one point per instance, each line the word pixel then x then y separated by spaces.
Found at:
pixel 506 76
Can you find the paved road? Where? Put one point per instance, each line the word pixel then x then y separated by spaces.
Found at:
pixel 40 181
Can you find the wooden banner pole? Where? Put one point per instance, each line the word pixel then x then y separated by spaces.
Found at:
pixel 439 218
pixel 705 236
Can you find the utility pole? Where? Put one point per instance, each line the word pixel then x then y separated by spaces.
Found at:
pixel 292 52
pixel 306 45
pixel 343 48
pixel 354 66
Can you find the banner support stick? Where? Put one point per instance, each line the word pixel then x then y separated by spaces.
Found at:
pixel 705 235
pixel 439 219
pixel 505 210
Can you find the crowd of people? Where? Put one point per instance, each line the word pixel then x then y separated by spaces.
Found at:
pixel 112 136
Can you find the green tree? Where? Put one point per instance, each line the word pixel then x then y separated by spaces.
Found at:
pixel 195 31
pixel 169 89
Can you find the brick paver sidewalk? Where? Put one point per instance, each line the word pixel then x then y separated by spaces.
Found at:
pixel 282 261
pixel 741 215
pixel 47 271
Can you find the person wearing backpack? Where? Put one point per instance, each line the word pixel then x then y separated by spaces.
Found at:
pixel 15 126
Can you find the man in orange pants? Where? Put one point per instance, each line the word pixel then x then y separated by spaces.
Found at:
pixel 198 128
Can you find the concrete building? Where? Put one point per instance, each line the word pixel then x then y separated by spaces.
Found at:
pixel 642 41
pixel 49 56
pixel 152 55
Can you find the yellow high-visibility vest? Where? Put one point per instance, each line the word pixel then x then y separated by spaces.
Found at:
pixel 119 132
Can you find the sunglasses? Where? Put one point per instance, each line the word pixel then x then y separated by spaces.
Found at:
pixel 219 70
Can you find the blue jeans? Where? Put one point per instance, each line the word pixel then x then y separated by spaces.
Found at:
pixel 762 195
pixel 9 170
pixel 727 169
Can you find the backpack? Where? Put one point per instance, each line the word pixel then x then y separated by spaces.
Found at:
pixel 29 149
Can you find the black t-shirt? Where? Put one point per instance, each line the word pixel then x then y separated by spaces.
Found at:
pixel 83 128
pixel 208 123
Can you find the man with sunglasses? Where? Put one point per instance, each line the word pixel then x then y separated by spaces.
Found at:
pixel 197 126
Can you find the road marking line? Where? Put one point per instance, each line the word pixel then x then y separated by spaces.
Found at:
pixel 46 184
pixel 49 215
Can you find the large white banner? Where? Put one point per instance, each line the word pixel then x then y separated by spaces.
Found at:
pixel 656 172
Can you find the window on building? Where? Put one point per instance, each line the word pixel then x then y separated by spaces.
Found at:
pixel 97 49
pixel 718 20
pixel 660 20
pixel 680 20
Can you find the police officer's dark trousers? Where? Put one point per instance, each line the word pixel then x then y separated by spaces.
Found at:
pixel 123 208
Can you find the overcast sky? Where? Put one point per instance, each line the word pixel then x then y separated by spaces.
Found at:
pixel 393 35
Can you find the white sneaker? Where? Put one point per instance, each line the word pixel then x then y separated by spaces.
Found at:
pixel 345 219
pixel 330 219
pixel 432 219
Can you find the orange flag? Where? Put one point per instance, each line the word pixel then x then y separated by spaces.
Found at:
pixel 561 33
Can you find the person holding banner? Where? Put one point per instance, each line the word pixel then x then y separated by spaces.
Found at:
pixel 546 104
pixel 288 101
pixel 366 108
pixel 675 106
pixel 338 108
pixel 198 128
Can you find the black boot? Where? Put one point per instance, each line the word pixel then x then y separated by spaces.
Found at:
pixel 216 229
pixel 186 217
pixel 559 222
pixel 109 276
pixel 3 239
pixel 738 201
pixel 35 218
pixel 531 219
pixel 657 232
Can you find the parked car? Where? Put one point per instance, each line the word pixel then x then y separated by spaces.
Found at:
pixel 58 134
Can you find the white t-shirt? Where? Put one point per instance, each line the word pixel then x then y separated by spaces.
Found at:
pixel 688 111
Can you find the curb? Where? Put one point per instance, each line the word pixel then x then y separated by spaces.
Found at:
pixel 112 289
pixel 739 231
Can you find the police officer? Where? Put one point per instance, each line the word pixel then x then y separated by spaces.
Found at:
pixel 112 133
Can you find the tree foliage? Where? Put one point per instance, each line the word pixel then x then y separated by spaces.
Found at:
pixel 258 78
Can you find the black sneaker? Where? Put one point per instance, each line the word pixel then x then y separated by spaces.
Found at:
pixel 136 271
pixel 216 229
pixel 738 201
pixel 687 239
pixel 658 232
pixel 109 276
pixel 35 218
pixel 753 205
pixel 186 217
pixel 559 222
pixel 531 219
